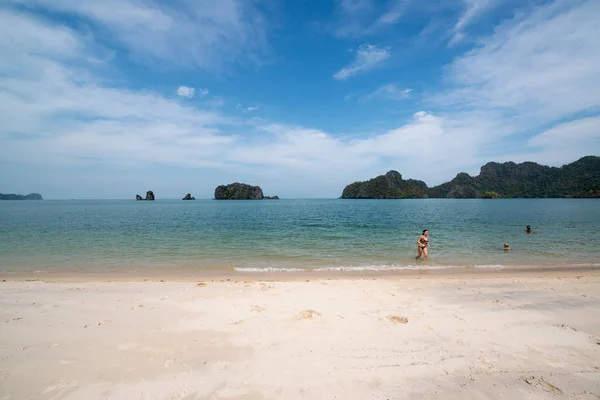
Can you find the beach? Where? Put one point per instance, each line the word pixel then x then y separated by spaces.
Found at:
pixel 530 334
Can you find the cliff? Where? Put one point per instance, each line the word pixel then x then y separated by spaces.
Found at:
pixel 241 191
pixel 388 186
pixel 12 196
pixel 189 197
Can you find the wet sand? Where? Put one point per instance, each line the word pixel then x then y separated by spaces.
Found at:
pixel 520 334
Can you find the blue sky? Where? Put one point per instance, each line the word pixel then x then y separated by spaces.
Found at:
pixel 106 99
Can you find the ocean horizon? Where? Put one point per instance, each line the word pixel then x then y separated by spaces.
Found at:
pixel 295 234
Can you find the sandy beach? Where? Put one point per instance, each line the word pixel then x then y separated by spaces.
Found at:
pixel 533 335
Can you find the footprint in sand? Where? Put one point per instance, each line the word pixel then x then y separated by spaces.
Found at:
pixel 308 314
pixel 543 384
pixel 168 362
pixel 398 320
pixel 258 309
pixel 563 326
pixel 201 284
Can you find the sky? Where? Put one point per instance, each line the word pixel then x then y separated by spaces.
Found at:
pixel 107 99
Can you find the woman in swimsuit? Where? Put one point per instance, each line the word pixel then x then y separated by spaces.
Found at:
pixel 423 242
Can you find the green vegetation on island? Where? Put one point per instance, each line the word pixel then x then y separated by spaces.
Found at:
pixel 495 180
pixel 388 186
pixel 241 191
pixel 12 196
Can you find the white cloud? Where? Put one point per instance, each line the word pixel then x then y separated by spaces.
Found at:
pixel 390 92
pixel 185 91
pixel 246 109
pixel 201 33
pixel 202 92
pixel 392 15
pixel 367 57
pixel 473 9
pixel 566 142
pixel 357 18
pixel 529 72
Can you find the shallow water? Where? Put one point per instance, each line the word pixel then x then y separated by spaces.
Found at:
pixel 331 234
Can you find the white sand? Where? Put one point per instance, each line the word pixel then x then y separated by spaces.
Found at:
pixel 444 337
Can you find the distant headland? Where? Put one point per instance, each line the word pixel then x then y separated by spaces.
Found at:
pixel 241 191
pixel 12 196
pixel 579 179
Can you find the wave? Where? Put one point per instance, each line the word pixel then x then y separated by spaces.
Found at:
pixel 394 267
pixel 357 268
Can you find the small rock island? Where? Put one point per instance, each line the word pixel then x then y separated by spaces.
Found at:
pixel 12 196
pixel 149 196
pixel 241 191
pixel 189 197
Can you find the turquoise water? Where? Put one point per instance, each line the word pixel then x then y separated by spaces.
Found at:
pixel 290 234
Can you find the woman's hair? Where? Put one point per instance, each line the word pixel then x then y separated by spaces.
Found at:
pixel 425 230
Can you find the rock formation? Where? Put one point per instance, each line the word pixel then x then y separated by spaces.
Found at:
pixel 188 197
pixel 240 191
pixel 12 196
pixel 149 196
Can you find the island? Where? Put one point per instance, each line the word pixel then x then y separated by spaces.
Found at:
pixel 579 179
pixel 241 191
pixel 12 196
pixel 189 197
pixel 149 196
pixel 388 186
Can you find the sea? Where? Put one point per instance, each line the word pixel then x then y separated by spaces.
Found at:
pixel 295 234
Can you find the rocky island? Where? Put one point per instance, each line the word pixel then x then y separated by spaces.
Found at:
pixel 189 197
pixel 495 180
pixel 149 196
pixel 241 191
pixel 388 186
pixel 12 196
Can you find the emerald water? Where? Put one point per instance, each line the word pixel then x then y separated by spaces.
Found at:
pixel 295 234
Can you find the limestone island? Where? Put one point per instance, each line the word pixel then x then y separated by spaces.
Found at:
pixel 12 196
pixel 189 197
pixel 579 179
pixel 241 191
pixel 388 186
pixel 149 196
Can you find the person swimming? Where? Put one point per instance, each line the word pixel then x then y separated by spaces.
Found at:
pixel 528 229
pixel 506 246
pixel 422 242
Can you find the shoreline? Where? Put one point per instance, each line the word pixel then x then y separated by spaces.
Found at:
pixel 189 275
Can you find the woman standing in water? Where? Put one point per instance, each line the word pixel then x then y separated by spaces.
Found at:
pixel 423 242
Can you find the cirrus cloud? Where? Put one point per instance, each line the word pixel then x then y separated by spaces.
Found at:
pixel 367 58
